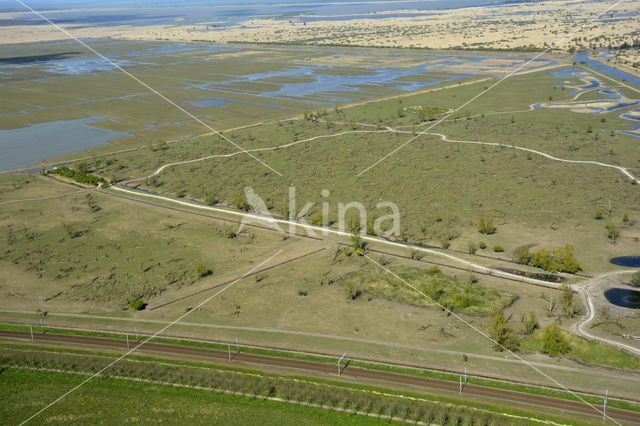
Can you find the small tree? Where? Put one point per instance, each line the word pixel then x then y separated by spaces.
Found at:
pixel 472 247
pixel 567 301
pixel 529 323
pixel 138 305
pixel 522 255
pixel 486 225
pixel 82 167
pixel 635 279
pixel 613 232
pixel 500 332
pixel 554 342
pixel 211 199
pixel 359 247
pixel 202 270
pixel 240 203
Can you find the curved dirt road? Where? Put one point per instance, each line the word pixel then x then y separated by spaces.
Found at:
pixel 582 326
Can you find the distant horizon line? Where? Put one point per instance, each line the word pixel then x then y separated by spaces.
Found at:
pixel 120 4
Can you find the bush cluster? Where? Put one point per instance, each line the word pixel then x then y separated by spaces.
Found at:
pixel 79 176
pixel 560 259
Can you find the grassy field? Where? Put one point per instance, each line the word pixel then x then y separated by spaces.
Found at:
pixel 254 386
pixel 121 401
pixel 587 351
pixel 441 188
pixel 88 252
pixel 287 307
pixel 455 295
pixel 12 348
pixel 95 252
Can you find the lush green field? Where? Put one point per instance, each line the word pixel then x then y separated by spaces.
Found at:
pixel 587 351
pixel 464 297
pixel 528 345
pixel 253 386
pixel 108 401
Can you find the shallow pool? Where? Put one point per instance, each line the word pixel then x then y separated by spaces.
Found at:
pixel 623 297
pixel 627 261
pixel 28 146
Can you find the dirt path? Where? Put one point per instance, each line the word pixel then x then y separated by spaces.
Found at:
pixel 582 327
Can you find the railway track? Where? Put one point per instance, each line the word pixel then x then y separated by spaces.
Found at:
pixel 484 392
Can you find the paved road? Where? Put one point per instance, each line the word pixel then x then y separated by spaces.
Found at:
pixel 574 406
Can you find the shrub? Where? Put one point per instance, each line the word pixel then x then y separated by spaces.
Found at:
pixel 498 249
pixel 317 219
pixel 79 176
pixel 415 254
pixel 230 234
pixel 567 300
pixel 202 270
pixel 554 342
pixel 613 232
pixel 599 214
pixel 529 323
pixel 211 199
pixel 486 226
pixel 472 248
pixel 445 242
pixel 635 279
pixel 138 305
pixel 240 203
pixel 560 259
pixel 522 255
pixel 503 337
pixel 482 245
pixel 357 244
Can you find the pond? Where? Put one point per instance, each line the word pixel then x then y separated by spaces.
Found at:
pixel 28 146
pixel 626 261
pixel 623 297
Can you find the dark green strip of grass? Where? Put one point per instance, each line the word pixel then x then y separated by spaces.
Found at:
pixel 111 401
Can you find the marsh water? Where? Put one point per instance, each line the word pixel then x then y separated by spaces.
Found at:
pixel 27 146
pixel 225 13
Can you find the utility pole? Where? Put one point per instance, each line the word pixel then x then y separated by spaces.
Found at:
pixel 41 326
pixel 460 385
pixel 127 335
pixel 31 331
pixel 604 411
pixel 339 361
pixel 229 353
